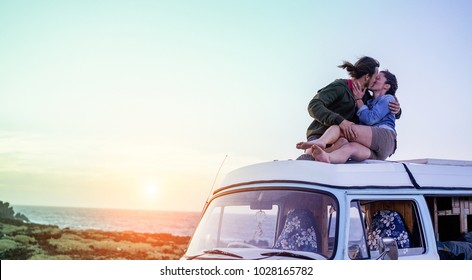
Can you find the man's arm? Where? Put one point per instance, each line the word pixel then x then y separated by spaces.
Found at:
pixel 318 107
pixel 395 108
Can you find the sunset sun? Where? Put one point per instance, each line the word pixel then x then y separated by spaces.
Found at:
pixel 151 190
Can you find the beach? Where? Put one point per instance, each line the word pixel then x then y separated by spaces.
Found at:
pixel 30 241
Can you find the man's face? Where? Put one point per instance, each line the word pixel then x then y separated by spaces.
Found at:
pixel 373 79
pixel 379 83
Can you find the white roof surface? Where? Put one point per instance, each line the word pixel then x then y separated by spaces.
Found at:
pixel 442 174
pixel 428 173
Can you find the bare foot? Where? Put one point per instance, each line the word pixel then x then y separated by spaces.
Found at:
pixel 302 145
pixel 319 154
pixel 309 144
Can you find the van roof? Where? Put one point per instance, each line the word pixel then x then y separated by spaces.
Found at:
pixel 419 173
pixel 435 161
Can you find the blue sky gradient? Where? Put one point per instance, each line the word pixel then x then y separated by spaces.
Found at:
pixel 132 104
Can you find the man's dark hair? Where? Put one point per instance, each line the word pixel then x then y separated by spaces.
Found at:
pixel 390 80
pixel 364 66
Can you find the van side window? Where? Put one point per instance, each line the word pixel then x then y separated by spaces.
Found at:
pixel 397 219
pixel 452 220
pixel 451 216
pixel 357 244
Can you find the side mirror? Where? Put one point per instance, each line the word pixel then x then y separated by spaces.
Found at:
pixel 354 251
pixel 388 249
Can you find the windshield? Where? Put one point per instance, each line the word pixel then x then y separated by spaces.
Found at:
pixel 268 219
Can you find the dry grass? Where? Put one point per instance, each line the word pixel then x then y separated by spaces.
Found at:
pixel 43 242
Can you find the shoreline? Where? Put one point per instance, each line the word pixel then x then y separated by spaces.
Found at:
pixel 108 219
pixel 31 241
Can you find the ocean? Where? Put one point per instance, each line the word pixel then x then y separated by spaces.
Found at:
pixel 176 223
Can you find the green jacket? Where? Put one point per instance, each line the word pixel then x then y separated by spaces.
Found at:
pixel 331 105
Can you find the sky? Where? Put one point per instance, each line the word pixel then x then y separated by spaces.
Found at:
pixel 137 104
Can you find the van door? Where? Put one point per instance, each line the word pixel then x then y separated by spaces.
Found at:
pixel 404 218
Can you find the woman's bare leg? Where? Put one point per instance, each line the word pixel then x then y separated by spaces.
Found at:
pixel 330 136
pixel 351 150
pixel 364 135
pixel 336 145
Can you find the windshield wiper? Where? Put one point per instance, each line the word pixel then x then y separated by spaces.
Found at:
pixel 215 252
pixel 287 254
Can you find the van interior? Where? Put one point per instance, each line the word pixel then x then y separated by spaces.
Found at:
pixel 451 218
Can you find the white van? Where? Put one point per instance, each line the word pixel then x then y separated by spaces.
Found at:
pixel 418 209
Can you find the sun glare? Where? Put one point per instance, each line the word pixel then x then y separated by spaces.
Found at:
pixel 150 189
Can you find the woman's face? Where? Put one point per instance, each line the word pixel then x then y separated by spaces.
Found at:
pixel 379 83
pixel 373 78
